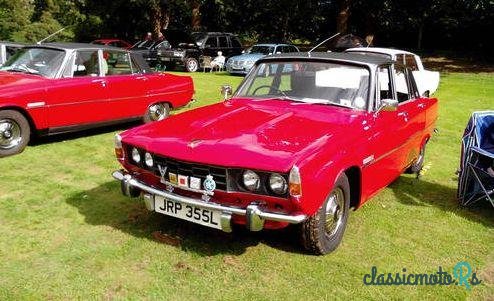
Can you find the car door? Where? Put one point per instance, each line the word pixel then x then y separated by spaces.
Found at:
pixel 80 96
pixel 126 86
pixel 382 160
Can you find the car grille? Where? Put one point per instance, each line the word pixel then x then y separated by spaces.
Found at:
pixel 192 170
pixel 238 64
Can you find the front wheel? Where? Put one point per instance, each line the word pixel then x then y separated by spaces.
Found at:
pixel 14 133
pixel 191 64
pixel 157 112
pixel 323 232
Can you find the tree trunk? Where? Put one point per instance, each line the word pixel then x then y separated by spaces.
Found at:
pixel 420 35
pixel 343 15
pixel 196 15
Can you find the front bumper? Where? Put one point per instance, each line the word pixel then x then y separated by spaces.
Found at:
pixel 254 213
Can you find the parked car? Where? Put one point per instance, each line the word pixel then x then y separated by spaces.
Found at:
pixel 148 49
pixel 54 88
pixel 305 137
pixel 113 42
pixel 186 50
pixel 241 64
pixel 7 49
pixel 427 81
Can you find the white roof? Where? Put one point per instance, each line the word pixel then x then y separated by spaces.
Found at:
pixel 389 51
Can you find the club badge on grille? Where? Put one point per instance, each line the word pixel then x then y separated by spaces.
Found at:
pixel 162 172
pixel 209 184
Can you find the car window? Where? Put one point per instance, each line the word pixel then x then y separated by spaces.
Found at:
pixel 223 42
pixel 118 63
pixel 410 62
pixel 401 83
pixel 384 85
pixel 235 42
pixel 211 42
pixel 86 63
pixel 10 50
pixel 309 82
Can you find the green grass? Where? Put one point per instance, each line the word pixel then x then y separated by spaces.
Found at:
pixel 66 232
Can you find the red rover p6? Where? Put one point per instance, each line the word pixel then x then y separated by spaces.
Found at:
pixel 306 137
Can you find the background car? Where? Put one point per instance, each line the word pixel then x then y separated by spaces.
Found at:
pixel 241 64
pixel 7 49
pixel 187 49
pixel 306 137
pixel 427 81
pixel 54 88
pixel 148 49
pixel 113 42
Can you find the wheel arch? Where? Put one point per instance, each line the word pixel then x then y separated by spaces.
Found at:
pixel 354 176
pixel 25 113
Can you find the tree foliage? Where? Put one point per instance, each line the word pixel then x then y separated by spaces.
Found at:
pixel 413 24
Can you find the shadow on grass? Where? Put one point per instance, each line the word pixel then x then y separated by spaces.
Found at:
pixel 410 191
pixel 84 133
pixel 104 205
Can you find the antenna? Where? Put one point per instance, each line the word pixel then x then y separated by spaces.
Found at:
pixel 55 33
pixel 331 37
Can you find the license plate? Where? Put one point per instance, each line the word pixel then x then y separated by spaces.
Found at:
pixel 198 215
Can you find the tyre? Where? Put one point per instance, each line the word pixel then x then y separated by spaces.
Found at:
pixel 14 132
pixel 191 64
pixel 157 112
pixel 416 166
pixel 323 232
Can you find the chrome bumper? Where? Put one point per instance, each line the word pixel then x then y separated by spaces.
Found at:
pixel 254 213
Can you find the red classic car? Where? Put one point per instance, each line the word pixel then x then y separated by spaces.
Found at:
pixel 53 88
pixel 306 137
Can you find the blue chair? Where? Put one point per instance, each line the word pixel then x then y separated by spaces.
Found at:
pixel 476 175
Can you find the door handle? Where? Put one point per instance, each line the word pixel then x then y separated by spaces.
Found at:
pixel 100 81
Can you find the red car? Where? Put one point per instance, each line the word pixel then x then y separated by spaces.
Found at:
pixel 305 138
pixel 54 88
pixel 113 42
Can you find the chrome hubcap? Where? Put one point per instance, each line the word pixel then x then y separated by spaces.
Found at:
pixel 10 134
pixel 334 211
pixel 157 112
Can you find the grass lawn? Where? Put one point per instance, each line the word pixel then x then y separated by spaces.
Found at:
pixel 66 232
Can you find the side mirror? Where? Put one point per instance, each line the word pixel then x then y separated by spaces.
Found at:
pixel 426 94
pixel 389 105
pixel 226 91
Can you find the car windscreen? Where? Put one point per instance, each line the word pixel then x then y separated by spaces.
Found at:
pixel 178 38
pixel 314 82
pixel 199 37
pixel 261 49
pixel 41 61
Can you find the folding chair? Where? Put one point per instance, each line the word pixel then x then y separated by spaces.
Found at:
pixel 477 160
pixel 205 62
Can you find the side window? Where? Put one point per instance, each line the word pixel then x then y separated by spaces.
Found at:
pixel 211 42
pixel 401 83
pixel 223 42
pixel 10 50
pixel 400 58
pixel 118 63
pixel 410 62
pixel 384 85
pixel 293 49
pixel 235 43
pixel 86 63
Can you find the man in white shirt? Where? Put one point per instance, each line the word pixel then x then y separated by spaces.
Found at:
pixel 218 61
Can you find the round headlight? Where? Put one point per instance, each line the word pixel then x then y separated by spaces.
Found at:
pixel 136 156
pixel 148 159
pixel 277 183
pixel 251 180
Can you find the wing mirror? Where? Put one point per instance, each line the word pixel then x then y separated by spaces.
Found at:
pixel 226 91
pixel 388 104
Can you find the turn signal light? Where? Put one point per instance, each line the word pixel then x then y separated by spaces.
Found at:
pixel 118 147
pixel 295 182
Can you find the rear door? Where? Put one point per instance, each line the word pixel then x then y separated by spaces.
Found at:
pixel 80 97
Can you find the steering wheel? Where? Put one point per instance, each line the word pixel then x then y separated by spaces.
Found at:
pixel 269 87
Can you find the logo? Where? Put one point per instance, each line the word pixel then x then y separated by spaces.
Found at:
pixel 462 275
pixel 209 184
pixel 194 143
pixel 162 170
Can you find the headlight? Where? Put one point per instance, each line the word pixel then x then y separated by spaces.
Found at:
pixel 148 159
pixel 136 156
pixel 251 180
pixel 277 183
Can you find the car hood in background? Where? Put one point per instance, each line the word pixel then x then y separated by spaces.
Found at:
pixel 260 134
pixel 247 57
